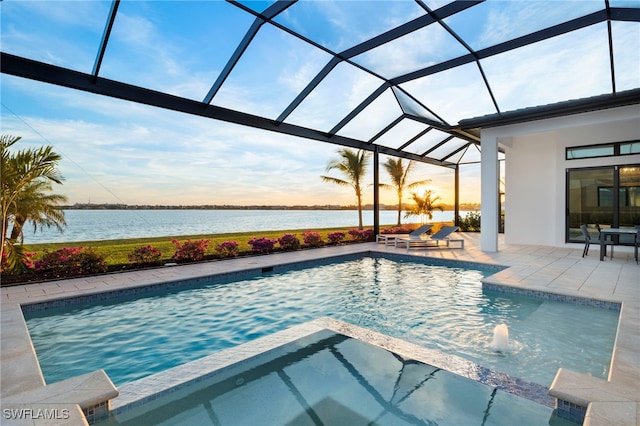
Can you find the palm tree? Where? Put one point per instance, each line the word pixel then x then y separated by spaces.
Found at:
pixel 424 206
pixel 27 176
pixel 399 176
pixel 38 206
pixel 353 165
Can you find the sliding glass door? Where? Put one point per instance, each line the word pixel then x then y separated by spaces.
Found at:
pixel 629 199
pixel 604 197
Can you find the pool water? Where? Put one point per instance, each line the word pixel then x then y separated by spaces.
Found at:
pixel 328 378
pixel 439 307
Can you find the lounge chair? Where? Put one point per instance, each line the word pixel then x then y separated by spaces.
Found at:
pixel 433 240
pixel 391 238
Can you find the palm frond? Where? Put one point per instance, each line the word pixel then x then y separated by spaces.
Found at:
pixel 335 180
pixel 419 183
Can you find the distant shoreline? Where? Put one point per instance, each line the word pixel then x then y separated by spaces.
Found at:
pixel 78 206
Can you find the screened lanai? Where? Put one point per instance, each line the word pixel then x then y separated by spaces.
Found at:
pixel 412 79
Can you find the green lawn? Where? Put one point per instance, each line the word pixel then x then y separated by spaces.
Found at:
pixel 116 252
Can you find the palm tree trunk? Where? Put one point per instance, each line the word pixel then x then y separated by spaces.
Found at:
pixel 399 206
pixel 18 225
pixel 5 225
pixel 359 211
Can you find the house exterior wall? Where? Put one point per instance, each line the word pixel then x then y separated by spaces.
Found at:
pixel 535 168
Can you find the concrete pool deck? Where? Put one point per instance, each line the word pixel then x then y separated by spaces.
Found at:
pixel 549 269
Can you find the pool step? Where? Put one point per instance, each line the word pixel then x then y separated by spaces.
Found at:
pixel 590 401
pixel 58 402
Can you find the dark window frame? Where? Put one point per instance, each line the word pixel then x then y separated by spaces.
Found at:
pixel 615 194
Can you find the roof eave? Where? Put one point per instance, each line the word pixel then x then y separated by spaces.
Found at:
pixel 560 109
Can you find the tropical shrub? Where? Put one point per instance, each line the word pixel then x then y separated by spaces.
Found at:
pixel 227 249
pixel 470 222
pixel 336 237
pixel 262 245
pixel 289 242
pixel 145 255
pixel 312 238
pixel 354 233
pixel 70 261
pixel 361 235
pixel 27 180
pixel 190 250
pixel 403 229
pixel 368 235
pixel 16 261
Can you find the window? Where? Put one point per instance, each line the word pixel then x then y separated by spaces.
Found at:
pixel 604 150
pixel 589 152
pixel 606 196
pixel 629 148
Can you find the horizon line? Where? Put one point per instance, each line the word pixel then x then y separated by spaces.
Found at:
pixel 239 206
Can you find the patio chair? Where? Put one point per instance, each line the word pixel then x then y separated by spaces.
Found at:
pixel 391 238
pixel 587 240
pixel 433 240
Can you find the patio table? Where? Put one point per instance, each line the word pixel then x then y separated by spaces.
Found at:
pixel 614 231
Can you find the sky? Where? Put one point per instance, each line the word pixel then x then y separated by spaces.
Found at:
pixel 115 151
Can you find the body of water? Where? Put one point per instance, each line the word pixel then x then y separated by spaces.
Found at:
pixel 439 307
pixel 92 225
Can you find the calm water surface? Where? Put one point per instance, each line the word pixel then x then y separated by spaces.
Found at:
pixel 91 225
pixel 433 306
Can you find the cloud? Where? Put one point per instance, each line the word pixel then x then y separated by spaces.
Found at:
pixel 140 54
pixel 75 13
pixel 60 33
pixel 375 117
pixel 156 156
pixel 341 91
pixel 545 73
pixel 626 54
pixel 419 49
pixel 137 163
pixel 508 19
pixel 443 92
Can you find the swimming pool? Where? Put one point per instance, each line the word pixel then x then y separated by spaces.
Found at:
pixel 329 378
pixel 440 307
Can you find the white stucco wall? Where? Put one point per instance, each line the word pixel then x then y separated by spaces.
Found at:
pixel 530 189
pixel 535 168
